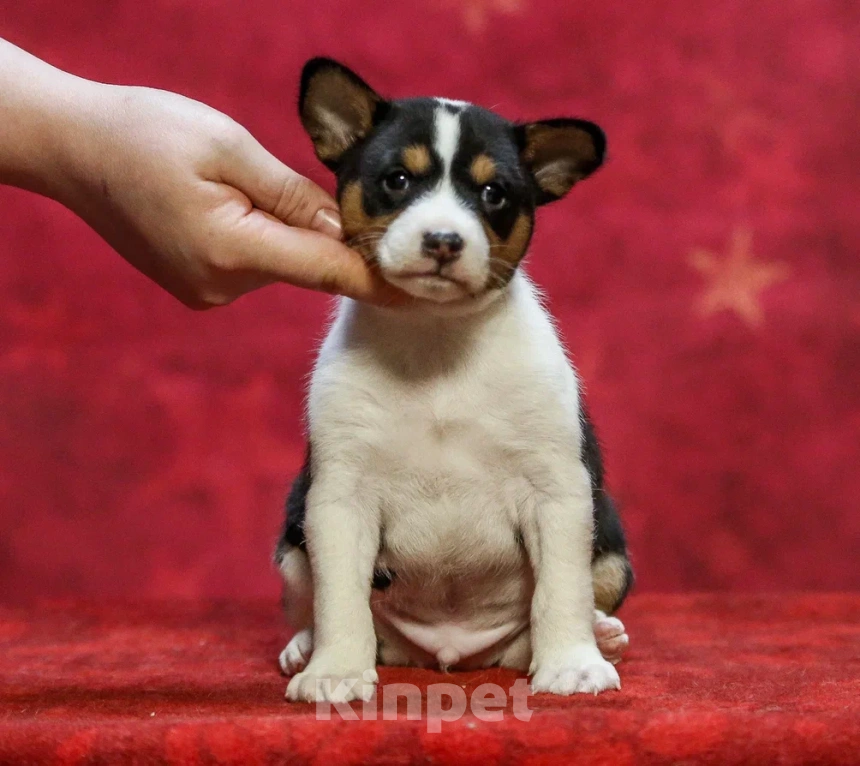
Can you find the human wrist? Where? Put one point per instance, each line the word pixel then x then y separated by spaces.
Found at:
pixel 66 139
pixel 41 119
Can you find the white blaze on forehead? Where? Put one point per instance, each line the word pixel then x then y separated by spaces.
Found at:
pixel 400 252
pixel 453 102
pixel 447 137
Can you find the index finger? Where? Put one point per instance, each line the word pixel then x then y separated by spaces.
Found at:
pixel 307 259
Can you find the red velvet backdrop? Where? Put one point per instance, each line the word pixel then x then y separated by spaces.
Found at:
pixel 706 282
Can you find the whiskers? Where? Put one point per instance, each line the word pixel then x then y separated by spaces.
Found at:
pixel 501 270
pixel 365 242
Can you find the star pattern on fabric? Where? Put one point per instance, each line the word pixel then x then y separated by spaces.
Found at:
pixel 736 281
pixel 476 12
pixel 212 467
pixel 741 122
pixel 752 138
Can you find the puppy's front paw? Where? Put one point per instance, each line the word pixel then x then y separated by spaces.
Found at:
pixel 323 681
pixel 580 670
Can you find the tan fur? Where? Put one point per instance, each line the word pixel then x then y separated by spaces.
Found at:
pixel 507 253
pixel 483 169
pixel 361 231
pixel 610 578
pixel 416 159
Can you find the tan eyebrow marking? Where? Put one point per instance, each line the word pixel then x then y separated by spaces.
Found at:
pixel 483 169
pixel 416 159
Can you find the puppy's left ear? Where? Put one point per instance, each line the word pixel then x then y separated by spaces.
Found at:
pixel 337 108
pixel 560 152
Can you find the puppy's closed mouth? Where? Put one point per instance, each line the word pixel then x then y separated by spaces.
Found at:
pixel 429 273
pixel 432 277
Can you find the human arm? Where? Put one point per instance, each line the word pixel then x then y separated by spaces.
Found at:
pixel 181 191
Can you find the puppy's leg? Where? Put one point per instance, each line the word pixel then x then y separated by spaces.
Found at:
pixel 519 654
pixel 612 578
pixel 558 537
pixel 298 606
pixel 609 632
pixel 610 568
pixel 342 536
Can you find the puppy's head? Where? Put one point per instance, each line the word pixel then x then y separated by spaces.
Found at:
pixel 440 195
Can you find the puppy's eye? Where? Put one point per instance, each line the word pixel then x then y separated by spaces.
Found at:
pixel 493 196
pixel 396 182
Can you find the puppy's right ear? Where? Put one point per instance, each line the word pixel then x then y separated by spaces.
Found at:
pixel 337 108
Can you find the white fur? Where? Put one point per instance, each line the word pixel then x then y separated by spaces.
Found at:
pixel 436 441
pixel 399 253
pixel 446 137
pixel 297 652
pixel 453 102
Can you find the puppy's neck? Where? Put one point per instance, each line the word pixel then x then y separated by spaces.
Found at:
pixel 422 341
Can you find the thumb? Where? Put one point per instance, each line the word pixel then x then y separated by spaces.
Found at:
pixel 281 192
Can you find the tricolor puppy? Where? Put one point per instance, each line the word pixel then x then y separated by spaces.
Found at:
pixel 451 511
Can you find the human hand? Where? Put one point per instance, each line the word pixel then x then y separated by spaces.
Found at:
pixel 193 201
pixel 181 191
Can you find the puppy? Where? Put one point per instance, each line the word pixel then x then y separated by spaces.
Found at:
pixel 451 510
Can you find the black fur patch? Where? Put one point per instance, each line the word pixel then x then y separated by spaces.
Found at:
pixel 294 527
pixel 482 132
pixel 536 162
pixel 608 531
pixel 406 123
pixel 410 122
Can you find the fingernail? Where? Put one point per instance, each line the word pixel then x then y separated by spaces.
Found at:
pixel 327 222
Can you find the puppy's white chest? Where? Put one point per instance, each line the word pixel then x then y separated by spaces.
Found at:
pixel 448 499
pixel 446 428
pixel 445 435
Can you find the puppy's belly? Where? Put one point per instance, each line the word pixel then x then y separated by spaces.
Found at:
pixel 453 623
pixel 462 584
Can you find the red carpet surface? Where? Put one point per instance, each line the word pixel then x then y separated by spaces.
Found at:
pixel 708 679
pixel 706 280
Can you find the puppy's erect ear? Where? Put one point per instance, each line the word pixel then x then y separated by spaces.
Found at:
pixel 560 152
pixel 337 108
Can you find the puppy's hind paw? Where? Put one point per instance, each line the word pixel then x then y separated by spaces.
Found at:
pixel 611 637
pixel 297 653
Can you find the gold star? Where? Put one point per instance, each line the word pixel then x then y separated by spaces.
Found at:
pixel 736 281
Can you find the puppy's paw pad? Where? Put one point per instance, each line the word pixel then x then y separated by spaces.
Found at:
pixel 579 672
pixel 318 685
pixel 611 637
pixel 297 653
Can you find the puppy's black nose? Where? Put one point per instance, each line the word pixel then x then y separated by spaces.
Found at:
pixel 444 246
